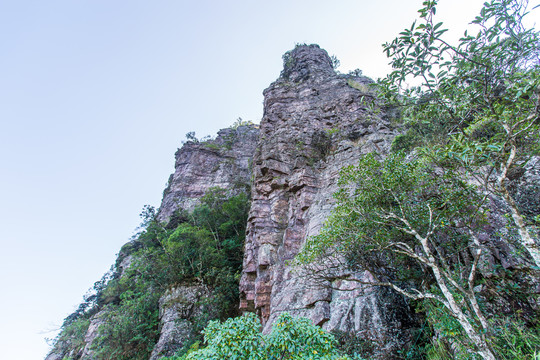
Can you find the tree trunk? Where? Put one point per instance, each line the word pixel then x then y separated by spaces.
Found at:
pixel 526 239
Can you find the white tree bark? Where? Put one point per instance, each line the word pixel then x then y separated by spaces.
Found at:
pixel 526 239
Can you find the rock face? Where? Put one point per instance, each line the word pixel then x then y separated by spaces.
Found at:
pixel 315 122
pixel 223 162
pixel 525 187
pixel 91 335
pixel 73 348
pixel 177 310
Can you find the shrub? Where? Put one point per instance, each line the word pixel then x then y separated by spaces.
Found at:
pixel 291 338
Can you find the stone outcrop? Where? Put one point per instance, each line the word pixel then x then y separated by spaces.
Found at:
pixel 178 310
pixel 62 349
pixel 315 122
pixel 525 186
pixel 91 335
pixel 222 162
pixel 73 348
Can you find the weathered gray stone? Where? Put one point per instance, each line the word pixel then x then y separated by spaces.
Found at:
pixel 72 348
pixel 222 162
pixel 526 187
pixel 177 310
pixel 93 332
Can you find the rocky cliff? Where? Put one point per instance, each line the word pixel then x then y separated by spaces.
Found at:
pixel 315 122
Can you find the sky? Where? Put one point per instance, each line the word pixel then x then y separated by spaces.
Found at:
pixel 97 95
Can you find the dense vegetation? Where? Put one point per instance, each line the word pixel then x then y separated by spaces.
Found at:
pixel 203 247
pixel 417 218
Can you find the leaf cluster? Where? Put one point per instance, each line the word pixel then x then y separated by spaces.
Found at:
pixel 471 113
pixel 291 338
pixel 374 196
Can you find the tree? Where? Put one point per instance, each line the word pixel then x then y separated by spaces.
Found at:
pixel 471 112
pixel 204 246
pixel 477 102
pixel 411 226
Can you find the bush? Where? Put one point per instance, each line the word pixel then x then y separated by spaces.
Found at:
pixel 73 334
pixel 240 338
pixel 130 329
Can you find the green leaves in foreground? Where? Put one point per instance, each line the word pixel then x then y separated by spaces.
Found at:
pixel 241 339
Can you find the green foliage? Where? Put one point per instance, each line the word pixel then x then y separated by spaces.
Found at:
pixel 420 133
pixel 212 146
pixel 237 337
pixel 363 225
pixel 484 87
pixel 476 102
pixel 129 329
pixel 438 350
pixel 73 334
pixel 240 338
pixel 297 338
pixel 515 341
pixel 204 247
pixel 335 62
pixel 332 131
pixel 355 72
pixel 449 340
pixel 352 344
pixel 288 63
pixel 511 340
pixel 241 122
pixel 190 136
pixel 410 223
pixel 471 113
pixel 364 88
pixel 416 350
pixel 75 325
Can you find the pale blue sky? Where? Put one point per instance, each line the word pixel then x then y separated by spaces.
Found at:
pixel 95 98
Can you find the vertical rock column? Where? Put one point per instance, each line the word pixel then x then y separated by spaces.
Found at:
pixel 315 121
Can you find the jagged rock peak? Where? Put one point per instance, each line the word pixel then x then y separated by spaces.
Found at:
pixel 306 60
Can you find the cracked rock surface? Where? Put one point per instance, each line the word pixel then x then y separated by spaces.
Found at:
pixel 315 122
